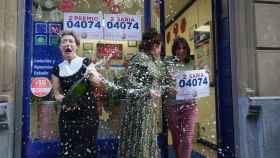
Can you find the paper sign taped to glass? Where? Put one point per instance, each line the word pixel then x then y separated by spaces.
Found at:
pixel 193 83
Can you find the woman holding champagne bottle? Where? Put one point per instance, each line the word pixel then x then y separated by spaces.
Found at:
pixel 78 119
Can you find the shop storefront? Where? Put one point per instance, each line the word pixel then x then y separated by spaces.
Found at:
pixel 112 27
pixel 124 23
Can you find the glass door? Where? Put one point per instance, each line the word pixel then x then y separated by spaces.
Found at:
pixel 194 126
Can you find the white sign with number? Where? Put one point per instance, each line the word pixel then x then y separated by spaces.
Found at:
pixel 192 83
pixel 87 25
pixel 122 27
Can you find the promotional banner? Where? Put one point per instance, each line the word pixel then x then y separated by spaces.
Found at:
pixel 194 83
pixel 43 109
pixel 87 25
pixel 122 27
pixel 45 55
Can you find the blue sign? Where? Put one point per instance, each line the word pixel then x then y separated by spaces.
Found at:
pixel 45 53
pixel 41 28
pixel 41 40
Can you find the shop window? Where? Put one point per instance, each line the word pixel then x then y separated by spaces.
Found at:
pixel 105 28
pixel 97 23
pixel 8 65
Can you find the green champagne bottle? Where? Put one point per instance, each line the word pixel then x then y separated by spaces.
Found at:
pixel 80 87
pixel 77 90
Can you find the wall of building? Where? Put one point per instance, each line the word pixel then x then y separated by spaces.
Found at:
pixel 255 49
pixel 257 46
pixel 267 47
pixel 259 135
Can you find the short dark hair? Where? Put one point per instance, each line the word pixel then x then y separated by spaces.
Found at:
pixel 181 41
pixel 71 33
pixel 149 38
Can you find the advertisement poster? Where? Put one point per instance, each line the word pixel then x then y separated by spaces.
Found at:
pixel 122 27
pixel 45 54
pixel 194 83
pixel 87 25
pixel 104 50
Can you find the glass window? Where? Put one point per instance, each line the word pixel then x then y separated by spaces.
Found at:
pixel 8 45
pixel 48 18
pixel 122 120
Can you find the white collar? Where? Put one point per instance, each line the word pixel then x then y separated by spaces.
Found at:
pixel 67 68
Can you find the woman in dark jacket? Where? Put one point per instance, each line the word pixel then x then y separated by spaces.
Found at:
pixel 78 119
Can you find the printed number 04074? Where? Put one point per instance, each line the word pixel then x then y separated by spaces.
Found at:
pixel 83 24
pixel 193 82
pixel 122 25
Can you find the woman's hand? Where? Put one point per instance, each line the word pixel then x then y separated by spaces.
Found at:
pixel 172 91
pixel 56 89
pixel 194 99
pixel 69 109
pixel 94 75
pixel 194 93
pixel 59 97
pixel 155 93
pixel 191 101
pixel 155 96
pixel 91 70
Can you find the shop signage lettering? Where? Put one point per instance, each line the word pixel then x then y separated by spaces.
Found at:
pixel 42 67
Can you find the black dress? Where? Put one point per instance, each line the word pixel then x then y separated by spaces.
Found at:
pixel 77 128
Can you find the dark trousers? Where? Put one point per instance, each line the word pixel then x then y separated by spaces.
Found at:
pixel 78 137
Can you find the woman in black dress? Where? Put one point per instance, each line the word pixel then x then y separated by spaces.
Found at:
pixel 78 120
